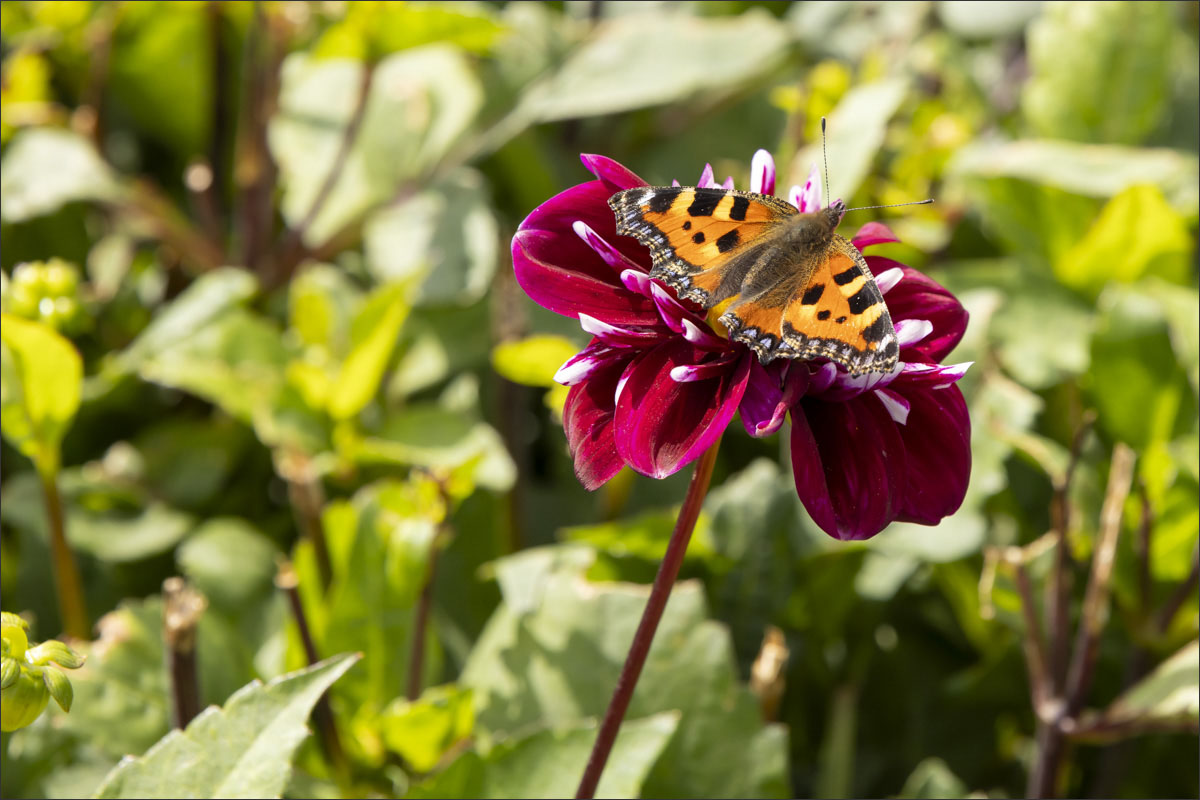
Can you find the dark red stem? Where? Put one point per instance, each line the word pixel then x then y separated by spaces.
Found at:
pixel 668 570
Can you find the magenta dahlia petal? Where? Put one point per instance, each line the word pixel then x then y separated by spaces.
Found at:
pixel 586 203
pixel 728 184
pixel 706 179
pixel 807 198
pixel 591 358
pixel 937 443
pixel 888 278
pixel 616 177
pixel 619 336
pixel 762 173
pixel 930 376
pixel 918 296
pixel 588 423
pixel 849 465
pixel 896 404
pixel 770 392
pixel 662 425
pixel 608 254
pixel 536 259
pixel 873 233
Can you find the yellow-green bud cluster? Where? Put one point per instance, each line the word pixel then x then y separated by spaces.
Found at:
pixel 47 292
pixel 30 676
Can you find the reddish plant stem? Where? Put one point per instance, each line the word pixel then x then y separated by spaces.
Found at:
pixel 293 250
pixel 1062 709
pixel 668 570
pixel 182 608
pixel 421 623
pixel 1186 590
pixel 307 498
pixel 287 581
pixel 71 604
pixel 1058 607
pixel 1034 640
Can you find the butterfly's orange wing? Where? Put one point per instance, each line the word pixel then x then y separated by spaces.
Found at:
pixel 838 313
pixel 694 234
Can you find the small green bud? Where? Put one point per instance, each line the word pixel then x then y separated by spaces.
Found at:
pixel 30 676
pixel 23 701
pixel 55 652
pixel 59 686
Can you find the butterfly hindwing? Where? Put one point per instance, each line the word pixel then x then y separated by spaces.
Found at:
pixel 697 237
pixel 840 315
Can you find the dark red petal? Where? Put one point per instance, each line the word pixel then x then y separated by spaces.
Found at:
pixel 617 177
pixel 937 441
pixel 570 291
pixel 917 296
pixel 663 425
pixel 849 464
pixel 588 423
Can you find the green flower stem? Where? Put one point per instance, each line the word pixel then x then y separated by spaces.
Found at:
pixel 668 570
pixel 66 572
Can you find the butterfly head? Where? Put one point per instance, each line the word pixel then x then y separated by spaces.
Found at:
pixel 834 212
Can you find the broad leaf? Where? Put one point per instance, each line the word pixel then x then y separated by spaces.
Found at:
pixel 534 360
pixel 375 330
pixel 1169 694
pixel 241 750
pixel 46 168
pixel 550 763
pixel 42 376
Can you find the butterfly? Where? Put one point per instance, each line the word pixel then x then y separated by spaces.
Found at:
pixel 801 291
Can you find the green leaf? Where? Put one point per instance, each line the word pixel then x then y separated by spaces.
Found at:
pixel 235 362
pixel 555 665
pixel 371 30
pixel 445 236
pixel 42 376
pixel 422 731
pixel 1169 694
pixel 1139 388
pixel 1089 170
pixel 230 561
pixel 161 71
pixel 1136 233
pixel 644 536
pixel 421 103
pixel 375 330
pixel 434 436
pixel 46 168
pixel 608 73
pixel 856 129
pixel 932 778
pixel 208 297
pixel 1041 333
pixel 242 750
pixel 534 360
pixel 1099 70
pixel 322 302
pixel 550 763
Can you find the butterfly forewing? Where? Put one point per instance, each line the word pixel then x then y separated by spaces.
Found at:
pixel 694 234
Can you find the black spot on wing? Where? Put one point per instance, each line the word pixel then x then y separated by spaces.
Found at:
pixel 728 241
pixel 842 278
pixel 687 226
pixel 739 208
pixel 698 238
pixel 878 329
pixel 812 295
pixel 863 299
pixel 662 199
pixel 823 315
pixel 705 203
pixel 840 320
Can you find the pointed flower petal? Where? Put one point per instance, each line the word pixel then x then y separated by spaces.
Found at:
pixel 809 198
pixel 895 404
pixel 873 233
pixel 615 176
pixel 888 278
pixel 937 443
pixel 662 425
pixel 579 366
pixel 762 173
pixel 849 465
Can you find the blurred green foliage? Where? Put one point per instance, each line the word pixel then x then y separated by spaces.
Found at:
pixel 256 287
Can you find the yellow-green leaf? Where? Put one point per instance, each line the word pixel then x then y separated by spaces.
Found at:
pixel 534 360
pixel 39 392
pixel 375 331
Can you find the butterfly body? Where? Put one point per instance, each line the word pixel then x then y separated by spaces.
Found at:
pixel 799 289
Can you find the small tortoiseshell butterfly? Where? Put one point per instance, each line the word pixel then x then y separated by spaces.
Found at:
pixel 802 290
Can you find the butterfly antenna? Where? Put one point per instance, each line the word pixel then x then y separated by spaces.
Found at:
pixel 825 157
pixel 894 205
